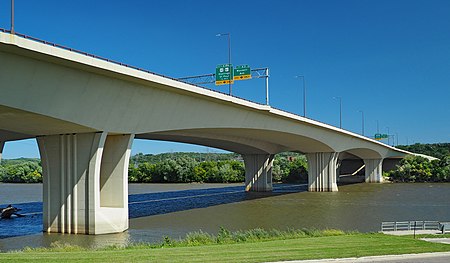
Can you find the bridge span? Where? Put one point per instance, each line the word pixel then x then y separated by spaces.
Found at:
pixel 85 112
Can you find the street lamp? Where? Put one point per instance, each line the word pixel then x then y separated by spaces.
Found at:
pixel 229 55
pixel 340 111
pixel 362 120
pixel 304 93
pixel 387 128
pixel 12 16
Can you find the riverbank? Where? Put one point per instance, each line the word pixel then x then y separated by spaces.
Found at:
pixel 200 249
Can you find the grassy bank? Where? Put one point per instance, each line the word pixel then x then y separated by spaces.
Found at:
pixel 201 247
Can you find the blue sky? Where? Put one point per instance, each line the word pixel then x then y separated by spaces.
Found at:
pixel 390 59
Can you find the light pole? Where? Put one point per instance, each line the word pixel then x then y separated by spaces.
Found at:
pixel 304 93
pixel 229 56
pixel 340 111
pixel 396 136
pixel 378 127
pixel 362 120
pixel 387 128
pixel 12 16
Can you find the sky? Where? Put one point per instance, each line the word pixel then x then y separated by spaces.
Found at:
pixel 388 59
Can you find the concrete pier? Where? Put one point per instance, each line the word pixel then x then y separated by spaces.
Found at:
pixel 258 172
pixel 85 182
pixel 322 171
pixel 373 170
pixel 2 145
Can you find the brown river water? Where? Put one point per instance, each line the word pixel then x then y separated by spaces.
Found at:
pixel 158 210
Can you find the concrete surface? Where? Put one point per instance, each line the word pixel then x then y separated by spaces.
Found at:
pixel 441 257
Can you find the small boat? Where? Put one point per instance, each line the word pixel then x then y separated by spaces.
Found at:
pixel 6 213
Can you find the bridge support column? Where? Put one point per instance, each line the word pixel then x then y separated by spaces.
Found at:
pixel 374 170
pixel 322 172
pixel 85 182
pixel 2 144
pixel 258 172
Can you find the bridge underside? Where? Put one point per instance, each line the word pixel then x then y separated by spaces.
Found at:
pixel 85 173
pixel 19 124
pixel 241 140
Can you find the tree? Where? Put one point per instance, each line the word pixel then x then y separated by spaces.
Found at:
pixel 298 171
pixel 438 150
pixel 21 172
pixel 418 169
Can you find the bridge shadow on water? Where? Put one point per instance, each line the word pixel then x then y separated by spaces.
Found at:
pixel 167 202
pixel 149 204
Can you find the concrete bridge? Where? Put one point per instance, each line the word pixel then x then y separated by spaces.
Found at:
pixel 85 113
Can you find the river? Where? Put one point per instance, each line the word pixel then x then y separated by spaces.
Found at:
pixel 158 210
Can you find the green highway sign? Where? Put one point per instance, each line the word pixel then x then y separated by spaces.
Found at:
pixel 379 136
pixel 224 74
pixel 242 72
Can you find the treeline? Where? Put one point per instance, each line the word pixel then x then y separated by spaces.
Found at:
pixel 187 170
pixel 186 167
pixel 182 167
pixel 23 170
pixel 438 150
pixel 208 168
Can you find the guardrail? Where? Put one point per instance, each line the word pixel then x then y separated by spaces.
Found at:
pixel 409 225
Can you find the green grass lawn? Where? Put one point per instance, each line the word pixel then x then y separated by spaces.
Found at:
pixel 353 245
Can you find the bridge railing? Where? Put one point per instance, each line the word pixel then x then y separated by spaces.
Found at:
pixel 409 225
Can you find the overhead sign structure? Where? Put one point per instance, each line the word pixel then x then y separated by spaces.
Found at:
pixel 242 72
pixel 379 136
pixel 224 74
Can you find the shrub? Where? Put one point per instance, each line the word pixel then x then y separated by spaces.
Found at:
pixel 198 238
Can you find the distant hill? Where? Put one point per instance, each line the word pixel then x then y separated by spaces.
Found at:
pixel 18 161
pixel 438 150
